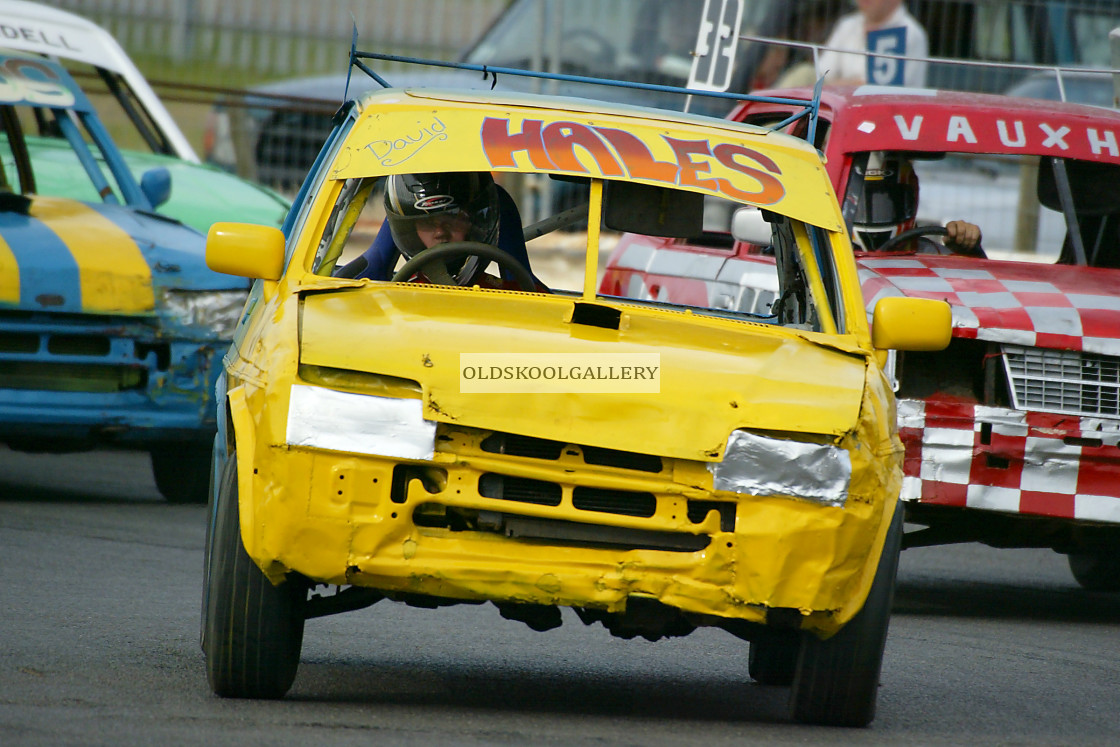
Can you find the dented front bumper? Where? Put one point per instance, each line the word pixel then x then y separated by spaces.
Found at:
pixel 506 518
pixel 88 381
pixel 966 455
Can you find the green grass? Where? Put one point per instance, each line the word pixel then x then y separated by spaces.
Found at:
pixel 196 73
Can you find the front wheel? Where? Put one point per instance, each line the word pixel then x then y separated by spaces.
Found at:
pixel 1095 572
pixel 252 630
pixel 836 680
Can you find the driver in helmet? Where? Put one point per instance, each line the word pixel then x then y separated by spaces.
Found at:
pixel 889 206
pixel 423 211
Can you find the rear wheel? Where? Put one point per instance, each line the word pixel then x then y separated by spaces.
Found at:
pixel 1095 572
pixel 836 680
pixel 252 630
pixel 182 471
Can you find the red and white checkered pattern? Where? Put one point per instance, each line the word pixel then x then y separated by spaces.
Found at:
pixel 650 269
pixel 1022 303
pixel 960 453
pixel 967 455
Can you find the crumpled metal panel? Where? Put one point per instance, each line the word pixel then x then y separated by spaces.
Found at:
pixel 332 517
pixel 759 465
pixel 359 423
pixel 752 377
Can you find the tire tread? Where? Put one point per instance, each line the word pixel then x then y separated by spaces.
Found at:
pixel 253 629
pixel 837 679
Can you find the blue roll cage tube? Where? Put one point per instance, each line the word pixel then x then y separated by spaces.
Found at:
pixel 808 108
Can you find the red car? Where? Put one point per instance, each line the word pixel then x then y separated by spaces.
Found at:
pixel 1013 432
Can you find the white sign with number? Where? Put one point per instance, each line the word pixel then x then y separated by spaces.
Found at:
pixel 713 60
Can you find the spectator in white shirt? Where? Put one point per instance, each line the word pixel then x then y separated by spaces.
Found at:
pixel 882 26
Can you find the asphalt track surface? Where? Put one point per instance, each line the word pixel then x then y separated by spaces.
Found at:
pixel 100 585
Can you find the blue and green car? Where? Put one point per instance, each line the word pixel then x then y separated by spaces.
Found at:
pixel 112 328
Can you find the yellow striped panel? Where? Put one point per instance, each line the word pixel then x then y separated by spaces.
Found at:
pixel 9 274
pixel 115 277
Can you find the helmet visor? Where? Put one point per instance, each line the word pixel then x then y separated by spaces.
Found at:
pixel 415 233
pixel 885 203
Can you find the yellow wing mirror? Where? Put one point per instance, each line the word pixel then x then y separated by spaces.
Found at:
pixel 900 323
pixel 246 250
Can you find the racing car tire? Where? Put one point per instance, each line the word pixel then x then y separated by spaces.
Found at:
pixel 1095 572
pixel 773 660
pixel 181 471
pixel 253 629
pixel 837 679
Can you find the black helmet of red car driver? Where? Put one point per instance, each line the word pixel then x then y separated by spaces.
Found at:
pixel 469 197
pixel 889 204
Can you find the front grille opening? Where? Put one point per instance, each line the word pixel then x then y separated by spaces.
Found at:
pixel 91 345
pixel 622 502
pixel 698 511
pixel 541 448
pixel 555 532
pixel 621 459
pixel 432 478
pixel 1064 381
pixel 19 342
pixel 520 489
pixel 439 516
pixel 522 446
pixel 71 377
pixel 162 352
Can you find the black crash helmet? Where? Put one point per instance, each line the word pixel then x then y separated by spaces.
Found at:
pixel 418 201
pixel 889 204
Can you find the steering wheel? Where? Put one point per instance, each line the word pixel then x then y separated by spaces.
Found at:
pixel 911 233
pixel 456 249
pixel 894 242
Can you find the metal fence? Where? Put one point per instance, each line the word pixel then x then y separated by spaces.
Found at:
pixel 278 38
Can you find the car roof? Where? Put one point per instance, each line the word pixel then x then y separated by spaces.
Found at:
pixel 422 130
pixel 929 120
pixel 44 30
pixel 57 88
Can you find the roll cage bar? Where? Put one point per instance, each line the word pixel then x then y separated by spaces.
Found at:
pixel 807 108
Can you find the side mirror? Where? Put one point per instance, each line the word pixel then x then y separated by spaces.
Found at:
pixel 156 185
pixel 900 323
pixel 246 249
pixel 750 226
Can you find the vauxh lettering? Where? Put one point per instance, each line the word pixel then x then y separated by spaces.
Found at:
pixel 961 129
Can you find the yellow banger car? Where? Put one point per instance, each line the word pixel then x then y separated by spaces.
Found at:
pixel 425 404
